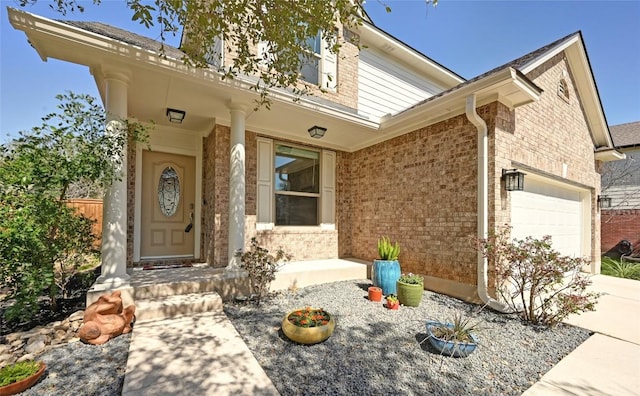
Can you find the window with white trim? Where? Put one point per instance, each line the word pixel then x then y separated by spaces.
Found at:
pixel 295 185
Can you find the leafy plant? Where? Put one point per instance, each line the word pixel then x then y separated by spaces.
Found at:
pixel 18 371
pixel 411 279
pixel 620 268
pixel 41 238
pixel 309 317
pixel 392 298
pixel 261 267
pixel 536 280
pixel 388 250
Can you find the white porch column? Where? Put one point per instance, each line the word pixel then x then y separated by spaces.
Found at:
pixel 114 214
pixel 236 187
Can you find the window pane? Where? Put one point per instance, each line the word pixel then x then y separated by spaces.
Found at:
pixel 169 191
pixel 296 211
pixel 297 170
pixel 309 69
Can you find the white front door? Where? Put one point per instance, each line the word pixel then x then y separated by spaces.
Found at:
pixel 167 205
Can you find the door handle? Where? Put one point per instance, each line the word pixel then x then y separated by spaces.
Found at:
pixel 190 225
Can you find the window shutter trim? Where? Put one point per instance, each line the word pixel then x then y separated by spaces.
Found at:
pixel 264 194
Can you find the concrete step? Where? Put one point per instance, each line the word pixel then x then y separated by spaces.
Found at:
pixel 307 273
pixel 173 306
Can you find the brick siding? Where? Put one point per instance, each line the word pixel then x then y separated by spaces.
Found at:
pixel 618 225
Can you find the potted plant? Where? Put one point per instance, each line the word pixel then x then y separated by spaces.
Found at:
pixel 392 301
pixel 386 270
pixel 455 338
pixel 375 293
pixel 410 288
pixel 308 325
pixel 18 377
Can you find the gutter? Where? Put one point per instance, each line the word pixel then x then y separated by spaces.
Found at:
pixel 483 204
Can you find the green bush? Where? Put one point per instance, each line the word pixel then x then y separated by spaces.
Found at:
pixel 42 240
pixel 620 268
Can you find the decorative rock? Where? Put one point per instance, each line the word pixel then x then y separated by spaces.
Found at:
pixel 28 344
pixel 35 348
pixel 26 357
pixel 78 315
pixel 105 319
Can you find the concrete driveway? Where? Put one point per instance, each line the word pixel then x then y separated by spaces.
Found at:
pixel 608 363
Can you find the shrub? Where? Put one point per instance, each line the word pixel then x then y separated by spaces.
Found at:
pixel 620 269
pixel 261 267
pixel 42 240
pixel 536 280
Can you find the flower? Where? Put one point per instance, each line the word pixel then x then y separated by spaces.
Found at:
pixel 309 317
pixel 411 279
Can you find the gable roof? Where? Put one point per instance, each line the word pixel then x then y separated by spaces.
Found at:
pixel 626 135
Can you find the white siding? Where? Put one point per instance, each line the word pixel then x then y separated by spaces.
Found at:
pixel 386 86
pixel 623 197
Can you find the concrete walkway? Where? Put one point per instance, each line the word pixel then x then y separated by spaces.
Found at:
pixel 200 354
pixel 608 363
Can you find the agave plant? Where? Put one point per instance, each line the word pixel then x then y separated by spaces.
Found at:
pixel 388 250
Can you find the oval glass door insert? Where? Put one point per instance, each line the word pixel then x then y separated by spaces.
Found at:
pixel 169 191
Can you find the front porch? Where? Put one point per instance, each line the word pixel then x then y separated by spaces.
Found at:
pixel 174 292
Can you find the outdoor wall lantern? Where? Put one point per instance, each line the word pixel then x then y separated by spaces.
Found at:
pixel 604 201
pixel 176 116
pixel 513 179
pixel 317 132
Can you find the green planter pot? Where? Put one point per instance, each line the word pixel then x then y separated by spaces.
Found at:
pixel 409 294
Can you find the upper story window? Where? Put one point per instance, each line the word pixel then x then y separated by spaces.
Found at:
pixel 563 89
pixel 310 61
pixel 297 186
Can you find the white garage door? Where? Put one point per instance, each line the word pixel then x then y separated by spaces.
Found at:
pixel 547 209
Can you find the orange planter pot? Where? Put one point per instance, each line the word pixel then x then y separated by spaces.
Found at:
pixel 21 386
pixel 375 293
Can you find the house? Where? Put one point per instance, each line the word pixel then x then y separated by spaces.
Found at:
pixel 621 184
pixel 399 146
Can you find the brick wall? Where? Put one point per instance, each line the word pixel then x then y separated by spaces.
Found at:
pixel 545 135
pixel 420 190
pixel 618 225
pixel 304 243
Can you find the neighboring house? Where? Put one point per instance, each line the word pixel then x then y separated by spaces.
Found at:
pixel 411 151
pixel 621 183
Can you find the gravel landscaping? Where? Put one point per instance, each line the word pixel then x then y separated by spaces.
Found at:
pixel 373 351
pixel 376 351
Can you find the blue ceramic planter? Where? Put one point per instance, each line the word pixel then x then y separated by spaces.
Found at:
pixel 385 274
pixel 449 348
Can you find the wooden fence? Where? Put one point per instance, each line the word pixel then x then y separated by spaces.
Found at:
pixel 92 209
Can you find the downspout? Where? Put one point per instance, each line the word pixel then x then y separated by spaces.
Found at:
pixel 483 203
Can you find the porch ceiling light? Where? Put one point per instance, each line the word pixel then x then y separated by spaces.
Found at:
pixel 604 201
pixel 317 132
pixel 513 179
pixel 176 116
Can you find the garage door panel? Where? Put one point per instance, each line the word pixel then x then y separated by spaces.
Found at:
pixel 547 209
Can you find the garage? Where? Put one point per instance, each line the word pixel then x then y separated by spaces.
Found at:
pixel 549 208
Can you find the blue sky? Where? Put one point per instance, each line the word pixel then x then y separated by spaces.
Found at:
pixel 468 37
